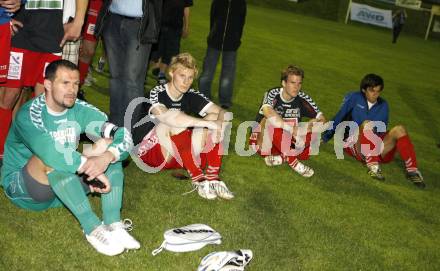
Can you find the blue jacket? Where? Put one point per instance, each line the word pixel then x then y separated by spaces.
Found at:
pixel 5 17
pixel 355 108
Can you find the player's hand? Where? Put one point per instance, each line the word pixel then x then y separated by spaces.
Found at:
pixel 96 165
pixel 218 133
pixel 72 31
pixel 15 26
pixel 10 5
pixel 102 178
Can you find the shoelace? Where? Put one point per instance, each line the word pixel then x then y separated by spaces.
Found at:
pixel 195 186
pixel 127 224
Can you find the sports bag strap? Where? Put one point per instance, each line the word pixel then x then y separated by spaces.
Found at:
pixel 159 249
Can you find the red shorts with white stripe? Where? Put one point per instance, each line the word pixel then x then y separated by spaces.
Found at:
pixel 352 151
pixel 26 68
pixel 5 44
pixel 150 152
pixel 304 155
pixel 92 16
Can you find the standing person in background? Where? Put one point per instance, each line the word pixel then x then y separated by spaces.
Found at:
pixel 7 9
pixel 7 29
pixel 226 29
pixel 129 28
pixel 89 42
pixel 175 25
pixel 399 18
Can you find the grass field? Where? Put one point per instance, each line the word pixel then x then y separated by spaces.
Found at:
pixel 340 219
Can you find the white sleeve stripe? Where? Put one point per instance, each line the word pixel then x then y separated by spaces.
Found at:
pixel 319 115
pixel 108 129
pixel 309 100
pixel 203 111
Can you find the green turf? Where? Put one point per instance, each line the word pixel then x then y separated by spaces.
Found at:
pixel 340 219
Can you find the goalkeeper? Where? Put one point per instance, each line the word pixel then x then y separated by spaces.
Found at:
pixel 42 167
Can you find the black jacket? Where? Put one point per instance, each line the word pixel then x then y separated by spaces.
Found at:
pixel 227 22
pixel 150 22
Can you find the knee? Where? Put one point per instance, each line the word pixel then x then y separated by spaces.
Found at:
pixel 9 97
pixel 398 131
pixel 365 125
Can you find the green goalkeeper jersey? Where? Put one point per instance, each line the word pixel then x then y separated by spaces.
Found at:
pixel 53 137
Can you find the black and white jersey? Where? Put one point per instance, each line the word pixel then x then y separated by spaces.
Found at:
pixel 192 102
pixel 290 111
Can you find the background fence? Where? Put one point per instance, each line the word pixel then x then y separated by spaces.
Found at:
pixel 335 10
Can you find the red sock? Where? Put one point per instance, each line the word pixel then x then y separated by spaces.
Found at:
pixel 370 159
pixel 406 151
pixel 182 142
pixel 305 154
pixel 214 163
pixel 5 122
pixel 277 139
pixel 83 71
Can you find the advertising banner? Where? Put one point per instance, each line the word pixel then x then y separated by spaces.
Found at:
pixel 414 4
pixel 371 15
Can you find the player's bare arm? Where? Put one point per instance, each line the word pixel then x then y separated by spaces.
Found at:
pixel 72 30
pixel 179 119
pixel 218 115
pixel 275 120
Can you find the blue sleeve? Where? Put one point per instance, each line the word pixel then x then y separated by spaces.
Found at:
pixel 346 107
pixel 387 111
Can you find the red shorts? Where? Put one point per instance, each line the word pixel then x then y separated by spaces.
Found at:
pixel 150 152
pixel 92 16
pixel 352 151
pixel 304 155
pixel 5 44
pixel 26 68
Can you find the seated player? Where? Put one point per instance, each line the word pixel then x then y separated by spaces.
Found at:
pixel 365 107
pixel 171 143
pixel 42 166
pixel 280 113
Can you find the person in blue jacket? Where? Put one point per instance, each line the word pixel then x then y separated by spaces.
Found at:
pixel 376 143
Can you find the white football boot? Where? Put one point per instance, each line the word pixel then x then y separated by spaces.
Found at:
pixel 119 231
pixel 104 242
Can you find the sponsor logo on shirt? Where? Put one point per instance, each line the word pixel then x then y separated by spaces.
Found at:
pixel 292 113
pixel 64 136
pixel 361 106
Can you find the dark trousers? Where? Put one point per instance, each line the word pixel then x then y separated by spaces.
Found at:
pixel 396 31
